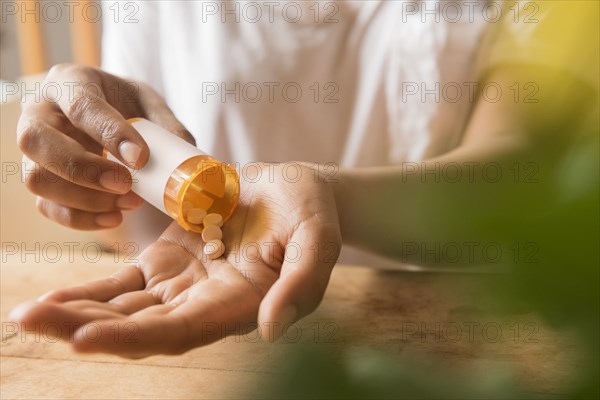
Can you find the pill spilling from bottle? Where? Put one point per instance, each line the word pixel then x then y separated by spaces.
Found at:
pixel 214 249
pixel 211 234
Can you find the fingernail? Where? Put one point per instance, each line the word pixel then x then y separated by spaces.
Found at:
pixel 286 317
pixel 130 200
pixel 130 152
pixel 111 180
pixel 109 220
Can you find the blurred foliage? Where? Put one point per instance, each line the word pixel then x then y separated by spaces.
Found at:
pixel 564 285
pixel 363 374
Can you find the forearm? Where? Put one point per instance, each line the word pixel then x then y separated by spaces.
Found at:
pixel 483 191
pixel 465 199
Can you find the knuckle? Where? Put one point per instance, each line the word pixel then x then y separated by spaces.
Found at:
pixel 28 135
pixel 67 70
pixel 42 206
pixel 58 121
pixel 72 168
pixel 59 69
pixel 108 131
pixel 67 216
pixel 61 214
pixel 78 107
pixel 55 212
pixel 55 295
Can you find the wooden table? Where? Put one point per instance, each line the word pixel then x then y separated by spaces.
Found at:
pixel 401 313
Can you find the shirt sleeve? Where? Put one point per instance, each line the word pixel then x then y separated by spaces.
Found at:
pixel 131 41
pixel 562 35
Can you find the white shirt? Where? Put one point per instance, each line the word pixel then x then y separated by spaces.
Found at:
pixel 275 87
pixel 356 83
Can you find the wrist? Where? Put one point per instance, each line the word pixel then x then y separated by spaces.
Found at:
pixel 335 181
pixel 340 185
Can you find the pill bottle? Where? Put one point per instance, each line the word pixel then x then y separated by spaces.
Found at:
pixel 179 177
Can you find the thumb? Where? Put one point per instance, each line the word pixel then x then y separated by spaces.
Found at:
pixel 310 256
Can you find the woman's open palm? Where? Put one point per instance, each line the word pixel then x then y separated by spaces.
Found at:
pixel 281 242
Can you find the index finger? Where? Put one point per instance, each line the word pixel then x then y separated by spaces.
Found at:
pixel 127 279
pixel 88 110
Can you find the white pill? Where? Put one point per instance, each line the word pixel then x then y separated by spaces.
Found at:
pixel 212 232
pixel 213 219
pixel 195 216
pixel 214 249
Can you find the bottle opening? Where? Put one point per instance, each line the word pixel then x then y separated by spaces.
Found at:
pixel 205 183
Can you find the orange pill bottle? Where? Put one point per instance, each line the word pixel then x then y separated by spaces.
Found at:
pixel 178 176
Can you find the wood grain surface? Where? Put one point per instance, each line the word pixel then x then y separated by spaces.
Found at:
pixel 415 315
